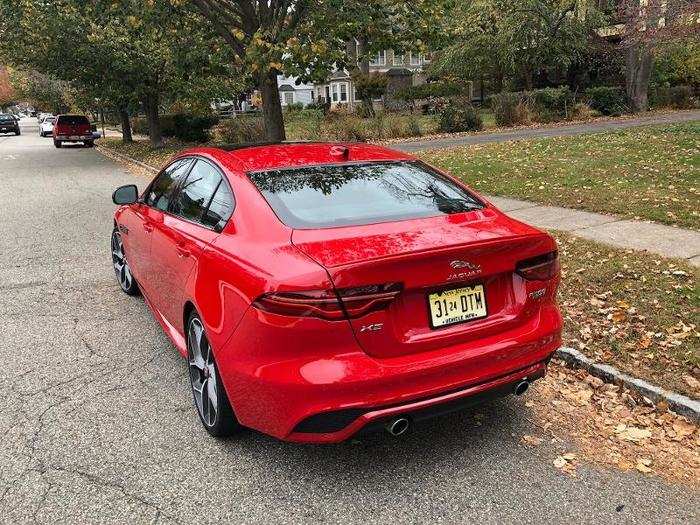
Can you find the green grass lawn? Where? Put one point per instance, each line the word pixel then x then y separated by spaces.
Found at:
pixel 650 172
pixel 635 311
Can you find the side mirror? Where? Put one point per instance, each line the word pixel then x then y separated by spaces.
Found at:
pixel 128 194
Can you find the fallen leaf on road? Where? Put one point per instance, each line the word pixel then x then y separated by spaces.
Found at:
pixel 532 440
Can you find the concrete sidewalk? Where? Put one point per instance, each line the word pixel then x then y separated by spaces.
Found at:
pixel 666 241
pixel 555 130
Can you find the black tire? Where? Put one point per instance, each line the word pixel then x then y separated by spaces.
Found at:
pixel 202 372
pixel 18 133
pixel 41 133
pixel 125 278
pixel 89 143
pixel 57 143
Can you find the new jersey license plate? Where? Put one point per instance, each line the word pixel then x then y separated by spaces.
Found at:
pixel 457 306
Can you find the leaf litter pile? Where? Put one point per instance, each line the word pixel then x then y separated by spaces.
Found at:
pixel 611 426
pixel 637 312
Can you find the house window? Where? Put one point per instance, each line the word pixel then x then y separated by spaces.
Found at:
pixel 379 59
pixel 416 59
pixel 288 98
pixel 398 59
pixel 328 93
pixel 343 92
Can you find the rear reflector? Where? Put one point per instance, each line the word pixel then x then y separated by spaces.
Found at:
pixel 540 268
pixel 326 304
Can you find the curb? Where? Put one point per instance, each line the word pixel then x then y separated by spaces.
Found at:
pixel 120 156
pixel 680 404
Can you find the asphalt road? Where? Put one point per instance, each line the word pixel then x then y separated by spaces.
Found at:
pixel 97 422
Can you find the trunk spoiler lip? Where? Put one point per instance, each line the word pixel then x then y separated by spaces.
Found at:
pixel 437 251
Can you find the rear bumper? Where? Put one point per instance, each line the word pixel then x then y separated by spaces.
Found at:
pixel 304 382
pixel 374 419
pixel 74 138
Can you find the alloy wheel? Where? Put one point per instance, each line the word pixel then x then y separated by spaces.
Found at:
pixel 202 373
pixel 121 266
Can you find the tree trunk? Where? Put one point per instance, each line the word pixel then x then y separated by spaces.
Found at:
pixel 126 125
pixel 637 73
pixel 527 73
pixel 272 107
pixel 155 134
pixel 363 62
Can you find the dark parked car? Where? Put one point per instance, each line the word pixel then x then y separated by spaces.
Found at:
pixel 9 124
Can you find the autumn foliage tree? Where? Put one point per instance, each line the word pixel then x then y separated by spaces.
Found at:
pixel 7 93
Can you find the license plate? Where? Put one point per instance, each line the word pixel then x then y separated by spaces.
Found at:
pixel 457 306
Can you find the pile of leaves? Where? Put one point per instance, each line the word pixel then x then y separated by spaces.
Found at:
pixel 609 425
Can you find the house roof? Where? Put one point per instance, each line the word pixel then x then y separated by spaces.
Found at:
pixel 286 87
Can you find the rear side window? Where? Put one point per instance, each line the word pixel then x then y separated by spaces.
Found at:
pixel 73 120
pixel 204 196
pixel 355 194
pixel 161 190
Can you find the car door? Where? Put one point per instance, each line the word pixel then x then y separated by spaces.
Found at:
pixel 147 212
pixel 199 209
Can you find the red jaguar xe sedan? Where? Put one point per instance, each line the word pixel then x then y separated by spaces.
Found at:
pixel 320 290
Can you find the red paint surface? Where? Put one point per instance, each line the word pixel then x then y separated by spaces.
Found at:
pixel 278 370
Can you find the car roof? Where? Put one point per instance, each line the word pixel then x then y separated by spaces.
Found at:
pixel 277 155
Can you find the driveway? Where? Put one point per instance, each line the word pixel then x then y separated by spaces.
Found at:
pixel 97 422
pixel 555 130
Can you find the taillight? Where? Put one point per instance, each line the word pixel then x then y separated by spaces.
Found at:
pixel 540 268
pixel 329 304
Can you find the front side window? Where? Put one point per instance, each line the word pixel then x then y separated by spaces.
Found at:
pixel 356 194
pixel 160 192
pixel 196 195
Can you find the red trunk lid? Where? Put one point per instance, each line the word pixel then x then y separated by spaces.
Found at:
pixel 419 253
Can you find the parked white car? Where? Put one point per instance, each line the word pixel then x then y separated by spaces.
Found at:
pixel 46 126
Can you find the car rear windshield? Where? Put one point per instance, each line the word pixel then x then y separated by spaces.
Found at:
pixel 364 193
pixel 6 118
pixel 73 120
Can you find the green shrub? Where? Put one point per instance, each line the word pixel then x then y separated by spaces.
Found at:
pixel 241 130
pixel 186 127
pixel 414 129
pixel 550 104
pixel 609 100
pixel 343 126
pixel 294 108
pixel 510 109
pixel 459 115
pixel 189 128
pixel 678 97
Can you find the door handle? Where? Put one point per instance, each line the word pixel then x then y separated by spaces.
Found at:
pixel 181 250
pixel 147 228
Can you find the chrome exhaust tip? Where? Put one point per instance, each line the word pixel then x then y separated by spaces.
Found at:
pixel 521 388
pixel 398 426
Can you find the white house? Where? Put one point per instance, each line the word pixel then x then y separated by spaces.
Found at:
pixel 293 93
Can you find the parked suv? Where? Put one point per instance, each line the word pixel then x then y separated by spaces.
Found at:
pixel 9 124
pixel 73 128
